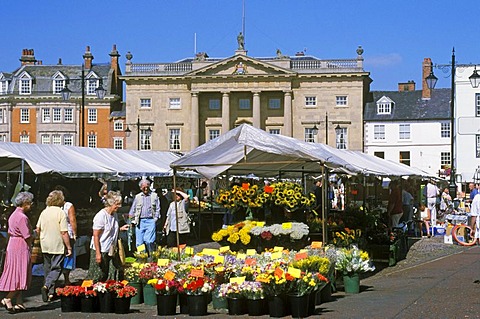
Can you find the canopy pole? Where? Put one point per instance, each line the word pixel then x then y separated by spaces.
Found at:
pixel 176 211
pixel 324 213
pixel 22 175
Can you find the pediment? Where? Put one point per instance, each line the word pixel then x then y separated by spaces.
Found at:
pixel 240 65
pixel 384 99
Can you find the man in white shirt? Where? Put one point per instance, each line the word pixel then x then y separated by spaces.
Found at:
pixel 475 213
pixel 432 193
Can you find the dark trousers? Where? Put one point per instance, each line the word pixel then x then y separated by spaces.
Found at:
pixel 52 268
pixel 172 239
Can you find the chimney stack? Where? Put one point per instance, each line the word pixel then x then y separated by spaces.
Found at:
pixel 87 58
pixel 114 56
pixel 406 87
pixel 28 57
pixel 426 70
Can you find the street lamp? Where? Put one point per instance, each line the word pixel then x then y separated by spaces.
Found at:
pixel 315 128
pixel 128 131
pixel 99 92
pixel 431 80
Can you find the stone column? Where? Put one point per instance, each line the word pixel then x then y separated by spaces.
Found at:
pixel 287 102
pixel 225 112
pixel 256 110
pixel 194 139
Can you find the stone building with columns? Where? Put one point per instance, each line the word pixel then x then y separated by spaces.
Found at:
pixel 178 106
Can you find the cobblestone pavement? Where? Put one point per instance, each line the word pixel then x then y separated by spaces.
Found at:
pixel 436 280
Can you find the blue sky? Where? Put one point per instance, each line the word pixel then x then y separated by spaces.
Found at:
pixel 395 35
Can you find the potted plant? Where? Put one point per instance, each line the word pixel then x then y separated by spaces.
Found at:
pixel 234 293
pixel 166 291
pixel 350 262
pixel 274 286
pixel 132 275
pixel 105 298
pixel 70 298
pixel 149 271
pixel 122 296
pixel 255 295
pixel 89 301
pixel 196 290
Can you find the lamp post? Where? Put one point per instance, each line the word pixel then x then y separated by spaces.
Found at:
pixel 431 80
pixel 138 125
pixel 99 92
pixel 315 128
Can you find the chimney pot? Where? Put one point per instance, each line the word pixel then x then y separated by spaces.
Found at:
pixel 426 70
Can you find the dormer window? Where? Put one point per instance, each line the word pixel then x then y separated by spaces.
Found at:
pixel 384 105
pixel 25 84
pixel 92 84
pixel 3 86
pixel 58 83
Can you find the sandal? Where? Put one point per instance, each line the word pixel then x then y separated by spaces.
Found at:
pixel 5 302
pixel 19 308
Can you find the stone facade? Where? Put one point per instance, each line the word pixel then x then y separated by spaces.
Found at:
pixel 185 104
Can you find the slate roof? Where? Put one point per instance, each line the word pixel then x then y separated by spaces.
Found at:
pixel 42 76
pixel 410 106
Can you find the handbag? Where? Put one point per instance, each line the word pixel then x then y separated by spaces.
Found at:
pixel 37 256
pixel 121 252
pixel 69 261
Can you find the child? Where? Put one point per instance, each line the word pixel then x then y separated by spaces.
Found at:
pixel 425 218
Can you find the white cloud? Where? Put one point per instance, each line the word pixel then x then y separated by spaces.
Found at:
pixel 384 60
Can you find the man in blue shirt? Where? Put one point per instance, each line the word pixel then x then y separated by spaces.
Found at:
pixel 145 212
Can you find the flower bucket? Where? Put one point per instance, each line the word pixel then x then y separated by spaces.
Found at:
pixel 277 306
pixel 197 305
pixel 122 305
pixel 219 302
pixel 89 304
pixel 70 303
pixel 298 305
pixel 351 283
pixel 237 306
pixel 166 305
pixel 325 294
pixel 312 302
pixel 149 295
pixel 257 307
pixel 182 300
pixel 138 298
pixel 105 302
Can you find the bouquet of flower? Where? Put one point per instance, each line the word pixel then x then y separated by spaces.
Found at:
pixel 253 290
pixel 302 285
pixel 273 283
pixel 290 196
pixel 107 286
pixel 230 290
pixel 346 237
pixel 164 287
pixel 149 271
pixel 233 233
pixel 124 291
pixel 196 286
pixel 70 291
pixel 246 196
pixel 90 293
pixel 313 264
pixel 132 272
pixel 353 260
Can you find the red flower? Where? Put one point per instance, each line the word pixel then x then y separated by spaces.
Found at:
pixel 289 277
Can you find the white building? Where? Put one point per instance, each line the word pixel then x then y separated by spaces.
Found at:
pixel 411 126
pixel 467 126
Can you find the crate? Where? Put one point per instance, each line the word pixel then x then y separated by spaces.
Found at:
pixel 383 253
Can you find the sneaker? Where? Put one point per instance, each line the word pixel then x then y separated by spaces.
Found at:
pixel 44 291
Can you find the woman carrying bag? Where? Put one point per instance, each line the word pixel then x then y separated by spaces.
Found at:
pixel 178 205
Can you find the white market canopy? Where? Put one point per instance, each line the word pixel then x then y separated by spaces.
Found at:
pixel 246 149
pixel 72 161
